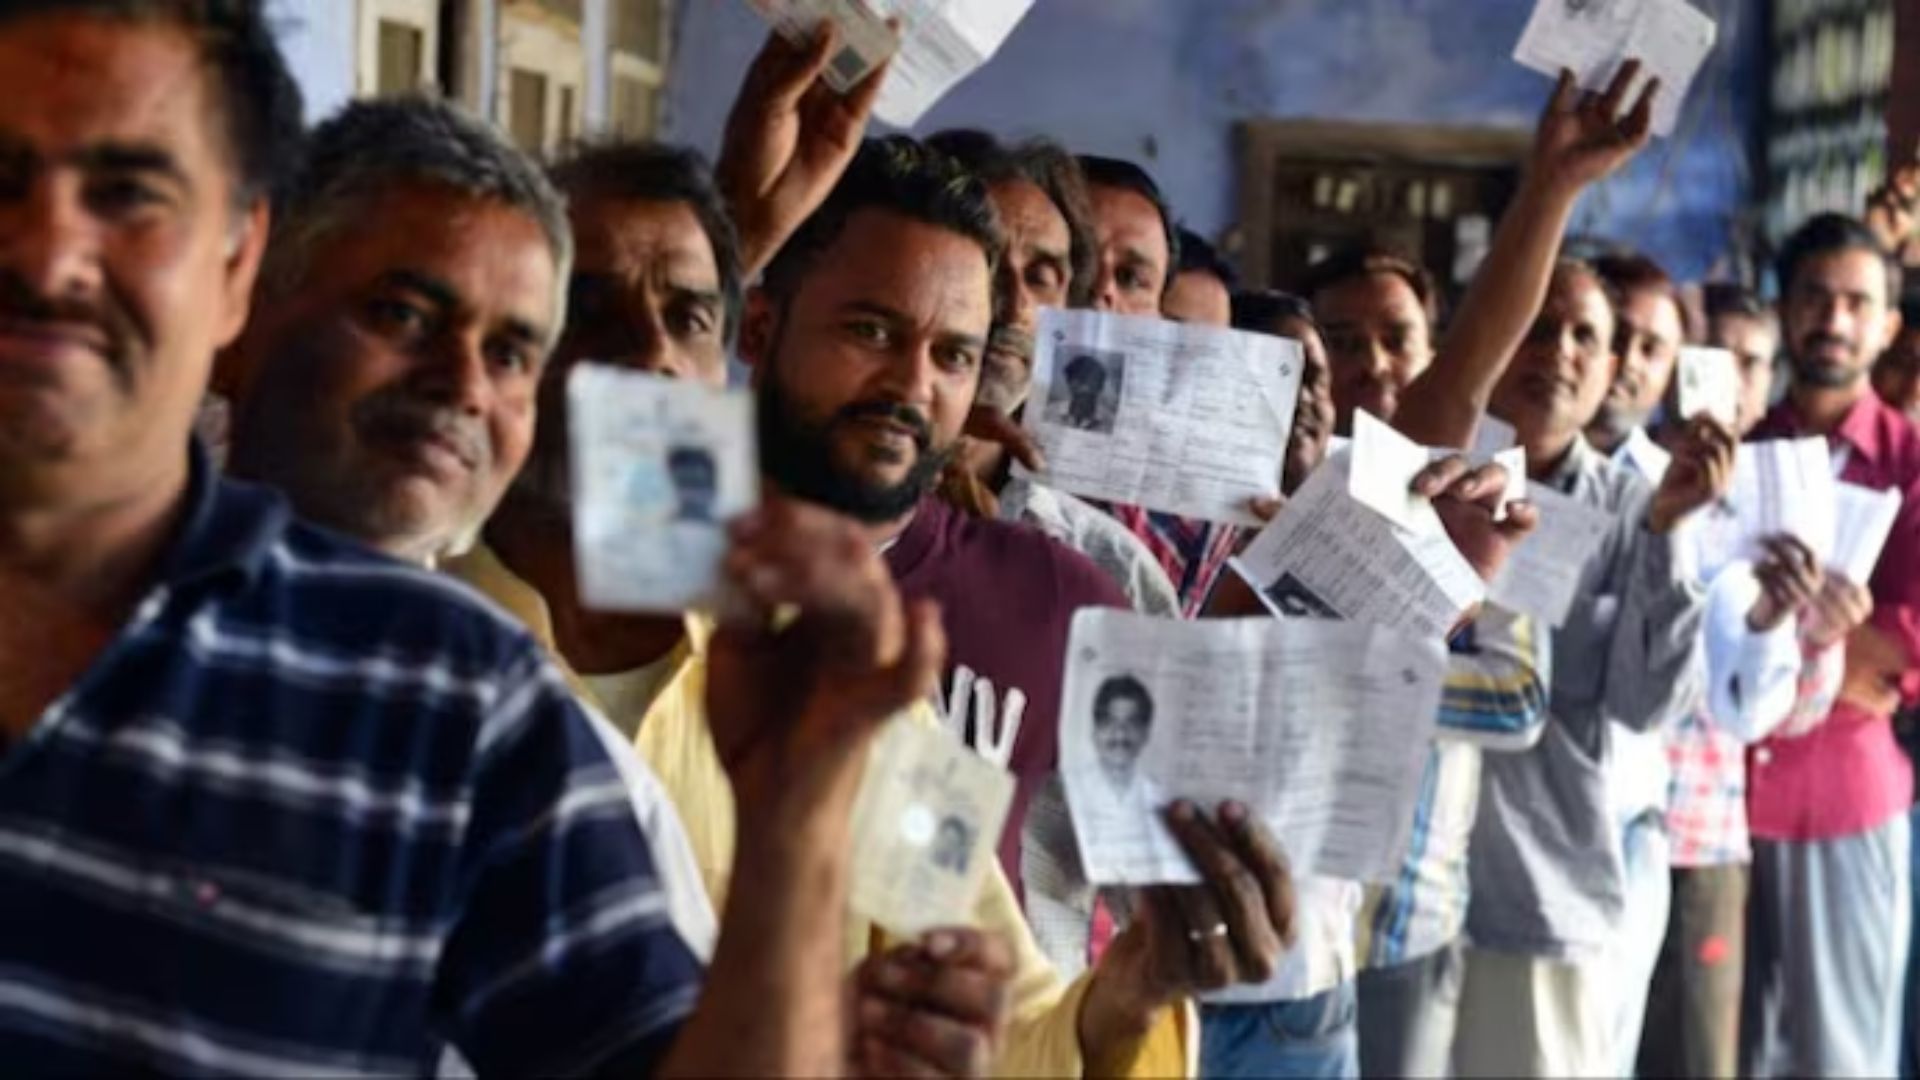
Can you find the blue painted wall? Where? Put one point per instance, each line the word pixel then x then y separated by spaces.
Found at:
pixel 1165 81
pixel 318 38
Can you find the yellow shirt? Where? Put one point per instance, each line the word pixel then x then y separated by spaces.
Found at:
pixel 1043 1038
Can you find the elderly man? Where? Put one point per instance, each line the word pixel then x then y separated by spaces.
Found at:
pixel 278 804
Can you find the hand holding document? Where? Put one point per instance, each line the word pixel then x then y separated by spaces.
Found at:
pixel 1708 381
pixel 1779 486
pixel 659 470
pixel 1189 420
pixel 941 42
pixel 1385 463
pixel 1328 556
pixel 1863 519
pixel 1322 729
pixel 1592 38
pixel 926 826
pixel 1542 576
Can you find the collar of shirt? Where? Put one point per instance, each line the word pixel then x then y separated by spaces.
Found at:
pixel 1641 454
pixel 1868 429
pixel 228 527
pixel 1580 459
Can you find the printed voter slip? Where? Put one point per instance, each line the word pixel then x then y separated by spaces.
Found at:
pixel 941 42
pixel 1707 382
pixel 1594 37
pixel 1321 729
pixel 1385 463
pixel 926 828
pixel 1175 417
pixel 661 467
pixel 1544 570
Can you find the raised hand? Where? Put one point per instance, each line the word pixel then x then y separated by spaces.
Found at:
pixel 936 1007
pixel 793 707
pixel 1584 137
pixel 1467 501
pixel 1701 472
pixel 1790 579
pixel 788 140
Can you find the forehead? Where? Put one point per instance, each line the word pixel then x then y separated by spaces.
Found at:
pixel 1378 292
pixel 884 259
pixel 68 82
pixel 1129 217
pixel 1649 308
pixel 1028 215
pixel 1576 295
pixel 632 235
pixel 495 256
pixel 1848 271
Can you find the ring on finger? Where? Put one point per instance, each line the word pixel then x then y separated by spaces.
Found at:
pixel 1214 932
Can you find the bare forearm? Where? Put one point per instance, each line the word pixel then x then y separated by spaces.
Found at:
pixel 773 1003
pixel 1442 406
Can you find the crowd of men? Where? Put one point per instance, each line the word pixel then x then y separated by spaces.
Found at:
pixel 314 761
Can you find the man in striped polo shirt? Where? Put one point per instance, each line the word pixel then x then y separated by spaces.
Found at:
pixel 271 804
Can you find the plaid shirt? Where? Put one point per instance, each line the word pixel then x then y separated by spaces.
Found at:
pixel 1192 552
pixel 1748 678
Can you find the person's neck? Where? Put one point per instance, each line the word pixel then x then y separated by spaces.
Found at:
pixel 1608 439
pixel 96 556
pixel 1819 409
pixel 538 547
pixel 1546 453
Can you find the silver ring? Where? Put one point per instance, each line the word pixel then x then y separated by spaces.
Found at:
pixel 1219 930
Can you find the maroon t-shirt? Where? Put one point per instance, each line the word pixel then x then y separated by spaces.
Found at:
pixel 1007 596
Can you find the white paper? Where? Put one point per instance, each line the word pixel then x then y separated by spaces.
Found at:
pixel 660 467
pixel 865 39
pixel 1327 556
pixel 1779 486
pixel 1594 37
pixel 1491 436
pixel 941 42
pixel 1321 728
pixel 1863 520
pixel 1384 463
pixel 1708 381
pixel 1184 419
pixel 926 828
pixel 1543 573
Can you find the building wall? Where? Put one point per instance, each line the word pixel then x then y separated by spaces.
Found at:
pixel 1166 81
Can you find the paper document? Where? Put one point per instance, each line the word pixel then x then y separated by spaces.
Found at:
pixel 1708 381
pixel 1384 463
pixel 1543 573
pixel 1327 556
pixel 1321 728
pixel 1863 519
pixel 660 468
pixel 1670 38
pixel 1189 420
pixel 941 42
pixel 926 828
pixel 1779 486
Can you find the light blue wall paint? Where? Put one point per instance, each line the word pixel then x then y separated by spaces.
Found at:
pixel 1123 76
pixel 318 38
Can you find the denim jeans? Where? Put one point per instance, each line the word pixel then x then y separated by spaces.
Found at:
pixel 1316 1037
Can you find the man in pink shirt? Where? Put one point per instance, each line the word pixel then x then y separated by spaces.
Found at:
pixel 1830 911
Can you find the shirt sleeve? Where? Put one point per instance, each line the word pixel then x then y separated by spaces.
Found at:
pixel 1495 695
pixel 563 958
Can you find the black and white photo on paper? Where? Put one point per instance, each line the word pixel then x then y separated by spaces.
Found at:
pixel 1086 389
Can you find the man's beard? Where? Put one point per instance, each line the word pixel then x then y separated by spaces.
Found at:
pixel 798 457
pixel 1828 376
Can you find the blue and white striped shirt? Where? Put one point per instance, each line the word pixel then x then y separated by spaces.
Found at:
pixel 315 812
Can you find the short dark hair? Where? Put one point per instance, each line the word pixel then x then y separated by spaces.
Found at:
pixel 1630 271
pixel 1729 299
pixel 1048 166
pixel 1365 260
pixel 1826 234
pixel 656 172
pixel 1125 175
pixel 1259 309
pixel 680 457
pixel 1084 367
pixel 900 175
pixel 1198 256
pixel 1123 686
pixel 255 93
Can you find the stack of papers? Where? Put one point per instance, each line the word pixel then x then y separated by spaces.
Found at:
pixel 1593 38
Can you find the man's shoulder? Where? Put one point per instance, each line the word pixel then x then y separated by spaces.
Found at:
pixel 1022 558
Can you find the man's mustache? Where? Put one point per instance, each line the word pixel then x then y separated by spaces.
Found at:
pixel 896 412
pixel 23 304
pixel 404 417
pixel 1815 341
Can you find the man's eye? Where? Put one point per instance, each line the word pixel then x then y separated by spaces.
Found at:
pixel 397 317
pixel 871 332
pixel 122 194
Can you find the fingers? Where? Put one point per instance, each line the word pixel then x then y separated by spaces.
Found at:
pixel 1266 509
pixel 1260 852
pixel 1484 486
pixel 1238 898
pixel 1615 96
pixel 960 974
pixel 1522 518
pixel 993 425
pixel 888 1053
pixel 784 70
pixel 1638 124
pixel 1440 475
pixel 1566 93
pixel 1204 934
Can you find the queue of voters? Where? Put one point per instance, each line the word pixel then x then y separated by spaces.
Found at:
pixel 899 599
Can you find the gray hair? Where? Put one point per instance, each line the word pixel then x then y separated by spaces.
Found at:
pixel 369 146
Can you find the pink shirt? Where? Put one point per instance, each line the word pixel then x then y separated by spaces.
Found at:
pixel 1848 775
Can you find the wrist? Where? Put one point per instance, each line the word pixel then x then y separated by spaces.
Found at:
pixel 1121 1006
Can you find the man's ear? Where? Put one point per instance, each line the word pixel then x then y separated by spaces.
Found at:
pixel 758 328
pixel 1890 329
pixel 247 245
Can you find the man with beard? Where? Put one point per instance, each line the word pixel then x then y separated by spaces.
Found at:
pixel 1830 909
pixel 1041 201
pixel 1652 327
